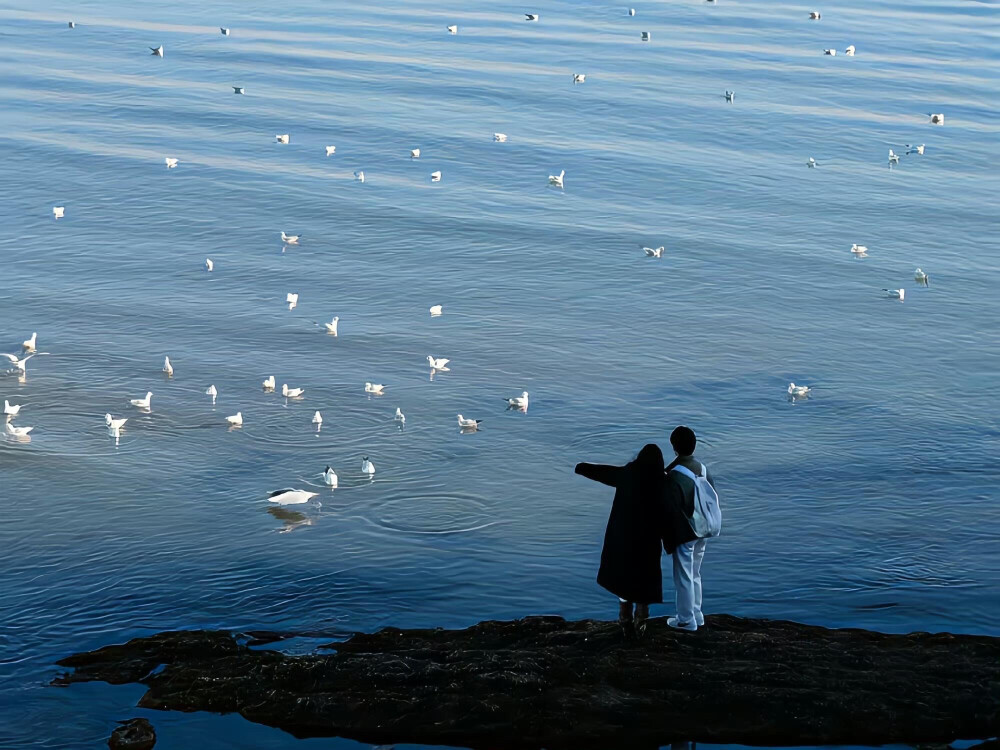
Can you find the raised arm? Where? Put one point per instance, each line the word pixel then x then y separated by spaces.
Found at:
pixel 602 473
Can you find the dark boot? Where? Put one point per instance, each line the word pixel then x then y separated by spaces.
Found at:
pixel 625 620
pixel 641 616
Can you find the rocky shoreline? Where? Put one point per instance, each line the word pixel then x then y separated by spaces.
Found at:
pixel 547 682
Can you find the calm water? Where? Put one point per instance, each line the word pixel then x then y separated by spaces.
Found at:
pixel 873 503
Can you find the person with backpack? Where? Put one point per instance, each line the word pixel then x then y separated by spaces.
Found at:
pixel 693 515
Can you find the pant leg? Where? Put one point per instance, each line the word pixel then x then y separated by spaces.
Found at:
pixel 697 557
pixel 684 582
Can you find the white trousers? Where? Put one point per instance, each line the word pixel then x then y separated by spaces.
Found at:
pixel 687 581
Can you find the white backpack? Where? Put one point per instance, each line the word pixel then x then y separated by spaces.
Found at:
pixel 707 519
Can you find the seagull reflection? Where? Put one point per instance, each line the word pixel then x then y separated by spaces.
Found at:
pixel 290 519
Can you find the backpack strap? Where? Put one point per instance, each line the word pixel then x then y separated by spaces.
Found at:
pixel 704 471
pixel 685 471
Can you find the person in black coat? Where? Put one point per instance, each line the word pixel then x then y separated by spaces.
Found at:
pixel 630 560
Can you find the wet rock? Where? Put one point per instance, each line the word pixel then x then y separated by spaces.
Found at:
pixel 546 682
pixel 134 734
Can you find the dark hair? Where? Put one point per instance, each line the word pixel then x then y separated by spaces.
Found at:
pixel 683 440
pixel 650 457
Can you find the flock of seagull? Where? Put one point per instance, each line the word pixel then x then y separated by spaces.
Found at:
pixel 291 496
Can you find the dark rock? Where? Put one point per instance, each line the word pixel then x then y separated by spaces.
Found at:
pixel 134 734
pixel 545 682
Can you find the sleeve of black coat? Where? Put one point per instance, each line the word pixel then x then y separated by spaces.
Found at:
pixel 602 473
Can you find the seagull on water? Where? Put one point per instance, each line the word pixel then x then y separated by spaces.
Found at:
pixel 29 344
pixel 58 211
pixel 815 15
pixel 849 51
pixel 730 96
pixel 797 390
pixel 19 364
pixel 290 239
pixel 893 157
pixel 157 51
pixel 330 478
pixel 859 249
pixel 436 310
pixel 317 418
pixel 331 327
pixel 530 16
pixel 915 149
pixel 268 384
pixel 557 180
pixel 899 294
pixel 376 388
pixel 289 496
pixel 453 29
pixel 331 150
pixel 811 163
pixel 236 420
pixel 830 52
pixel 500 137
pixel 400 417
pixel 359 176
pixel 281 138
pixel 652 252
pixel 18 431
pixel 644 36
pixel 167 367
pixel 367 467
pixel 468 424
pixel 414 153
pixel 937 119
pixel 142 403
pixel 213 392
pixel 170 162
pixel 436 176
pixel 918 275
pixel 209 265
pixel 579 78
pixel 224 31
pixel 72 24
pixel 291 392
pixel 631 11
pixel 292 299
pixel 518 402
pixel 438 363
pixel 11 410
pixel 114 424
pixel 239 90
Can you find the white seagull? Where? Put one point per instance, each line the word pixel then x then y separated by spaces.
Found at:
pixel 331 150
pixel 209 265
pixel 18 431
pixel 72 24
pixel 815 15
pixel 11 410
pixel 330 477
pixel 158 51
pixel 830 52
pixel 436 176
pixel 937 119
pixel 644 36
pixel 468 424
pixel 281 138
pixel 399 417
pixel 236 420
pixel 518 402
pixel 915 149
pixel 859 249
pixel 19 364
pixel 652 252
pixel 797 390
pixel 58 211
pixel 849 51
pixel 530 16
pixel 557 179
pixel 359 176
pixel 142 403
pixel 367 467
pixel 579 78
pixel 289 496
pixel 268 384
pixel 811 163
pixel 500 137
pixel 291 392
pixel 899 294
pixel 730 96
pixel 453 29
pixel 239 90
pixel 29 344
pixel 893 157
pixel 114 424
pixel 436 310
pixel 377 388
pixel 414 153
pixel 439 363
pixel 918 275
pixel 224 31
pixel 292 299
pixel 167 367
pixel 213 392
pixel 170 162
pixel 317 418
pixel 290 239
pixel 631 11
pixel 331 327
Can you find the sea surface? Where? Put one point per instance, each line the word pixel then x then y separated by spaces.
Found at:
pixel 871 503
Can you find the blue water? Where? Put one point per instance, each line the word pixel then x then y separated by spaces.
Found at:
pixel 872 503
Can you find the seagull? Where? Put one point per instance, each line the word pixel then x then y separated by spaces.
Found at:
pixel 915 149
pixel 859 249
pixel 330 477
pixel 468 424
pixel 290 239
pixel 438 364
pixel 224 31
pixel 142 403
pixel 631 11
pixel 281 138
pixel 359 176
pixel 58 211
pixel 811 163
pixel 292 299
pixel 268 384
pixel 317 418
pixel 291 392
pixel 937 119
pixel 899 294
pixel 236 420
pixel 830 52
pixel 239 90
pixel 167 367
pixel 500 137
pixel 893 157
pixel 331 327
pixel 72 24
pixel 29 344
pixel 331 150
pixel 518 402
pixel 918 275
pixel 436 310
pixel 209 265
pixel 19 364
pixel 18 431
pixel 579 78
pixel 797 390
pixel 849 51
pixel 114 424
pixel 414 153
pixel 557 180
pixel 377 388
pixel 815 15
pixel 436 176
pixel 11 410
pixel 158 51
pixel 400 417
pixel 530 16
pixel 453 29
pixel 654 252
pixel 213 392
pixel 730 96
pixel 289 496
pixel 644 36
pixel 367 467
pixel 170 162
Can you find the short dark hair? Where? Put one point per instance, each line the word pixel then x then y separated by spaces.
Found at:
pixel 683 440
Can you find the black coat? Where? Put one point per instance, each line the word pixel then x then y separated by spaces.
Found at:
pixel 630 560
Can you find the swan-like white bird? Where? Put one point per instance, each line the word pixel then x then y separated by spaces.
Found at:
pixel 367 467
pixel 58 212
pixel 331 327
pixel 330 478
pixel 143 403
pixel 438 363
pixel 436 176
pixel 436 310
pixel 859 249
pixel 811 163
pixel 236 420
pixel 453 29
pixel 400 417
pixel 17 431
pixel 268 384
pixel 290 239
pixel 114 424
pixel 359 176
pixel 579 78
pixel 157 51
pixel 224 31
pixel 518 402
pixel 644 36
pixel 213 392
pixel 830 52
pixel 468 424
pixel 730 96
pixel 239 90
pixel 12 410
pixel 893 157
pixel 849 51
pixel 815 15
pixel 290 496
pixel 167 367
pixel 317 418
pixel 915 149
pixel 331 150
pixel 631 11
pixel 377 388
pixel 292 299
pixel 291 392
pixel 530 16
pixel 557 179
pixel 500 137
pixel 798 390
pixel 29 344
pixel 414 153
pixel 918 275
pixel 899 294
pixel 209 265
pixel 19 364
pixel 170 162
pixel 282 138
pixel 654 252
pixel 937 119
